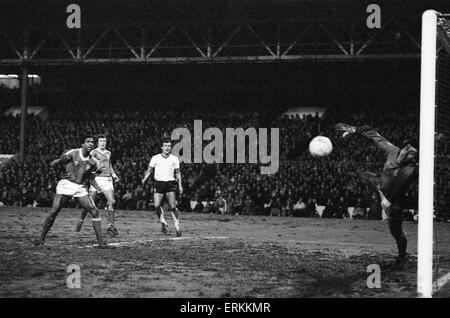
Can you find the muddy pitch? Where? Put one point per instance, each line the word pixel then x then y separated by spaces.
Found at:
pixel 217 256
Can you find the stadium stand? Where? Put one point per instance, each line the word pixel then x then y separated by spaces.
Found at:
pixel 134 135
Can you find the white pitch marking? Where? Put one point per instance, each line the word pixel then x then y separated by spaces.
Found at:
pixel 437 285
pixel 317 242
pixel 338 243
pixel 153 240
pixel 225 237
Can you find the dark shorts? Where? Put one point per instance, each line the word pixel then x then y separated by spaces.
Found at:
pixel 165 186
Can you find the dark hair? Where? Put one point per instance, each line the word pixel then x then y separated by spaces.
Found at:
pixel 410 141
pixel 414 143
pixel 166 140
pixel 100 136
pixel 86 137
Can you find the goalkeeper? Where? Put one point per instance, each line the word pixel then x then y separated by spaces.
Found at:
pixel 399 172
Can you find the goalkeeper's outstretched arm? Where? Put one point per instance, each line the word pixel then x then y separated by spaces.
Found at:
pixel 370 133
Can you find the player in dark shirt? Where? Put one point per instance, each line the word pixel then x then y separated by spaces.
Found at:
pixel 79 167
pixel 399 172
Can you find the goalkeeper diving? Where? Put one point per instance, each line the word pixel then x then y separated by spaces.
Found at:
pixel 399 172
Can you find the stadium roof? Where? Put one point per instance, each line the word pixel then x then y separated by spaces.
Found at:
pixel 15 13
pixel 207 31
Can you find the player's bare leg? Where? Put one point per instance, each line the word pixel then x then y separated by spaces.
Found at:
pixel 111 229
pixel 158 198
pixel 58 203
pixel 84 213
pixel 175 213
pixel 87 203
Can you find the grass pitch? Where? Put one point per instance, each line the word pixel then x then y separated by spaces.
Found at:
pixel 217 256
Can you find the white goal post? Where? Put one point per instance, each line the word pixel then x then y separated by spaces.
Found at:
pixel 426 154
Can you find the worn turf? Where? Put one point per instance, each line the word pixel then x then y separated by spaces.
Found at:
pixel 217 256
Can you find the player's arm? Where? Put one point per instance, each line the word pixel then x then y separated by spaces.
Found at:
pixel 178 177
pixel 93 183
pixel 370 133
pixel 65 158
pixel 94 163
pixel 113 173
pixel 150 169
pixel 147 173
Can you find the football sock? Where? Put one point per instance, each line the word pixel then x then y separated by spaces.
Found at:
pixel 97 225
pixel 176 221
pixel 111 214
pixel 160 213
pixel 395 226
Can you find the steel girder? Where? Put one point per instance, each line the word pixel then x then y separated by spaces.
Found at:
pixel 196 42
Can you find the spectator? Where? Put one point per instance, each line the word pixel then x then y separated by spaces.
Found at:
pixel 299 208
pixel 330 210
pixel 260 203
pixel 237 205
pixel 248 206
pixel 127 200
pixel 359 212
pixel 140 199
pixel 311 208
pixel 210 207
pixel 43 198
pixel 275 206
pixel 25 199
pixel 199 207
pixel 342 209
pixel 374 210
pixel 135 134
pixel 184 203
pixel 222 205
pixel 287 208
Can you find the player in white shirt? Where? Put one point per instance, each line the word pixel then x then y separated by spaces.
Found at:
pixel 167 175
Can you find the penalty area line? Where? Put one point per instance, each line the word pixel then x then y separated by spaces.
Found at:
pixel 437 285
pixel 158 240
pixel 338 243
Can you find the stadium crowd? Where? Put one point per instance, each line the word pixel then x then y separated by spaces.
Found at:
pixel 301 184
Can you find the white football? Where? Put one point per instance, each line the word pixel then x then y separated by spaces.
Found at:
pixel 320 146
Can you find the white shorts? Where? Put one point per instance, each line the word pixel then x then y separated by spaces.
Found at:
pixel 70 188
pixel 104 183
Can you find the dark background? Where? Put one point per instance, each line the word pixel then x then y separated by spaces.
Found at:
pixel 254 85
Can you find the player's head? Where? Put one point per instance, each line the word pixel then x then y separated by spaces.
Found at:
pixel 101 141
pixel 87 142
pixel 409 151
pixel 166 146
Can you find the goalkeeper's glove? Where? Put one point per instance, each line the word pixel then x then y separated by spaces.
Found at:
pixel 345 128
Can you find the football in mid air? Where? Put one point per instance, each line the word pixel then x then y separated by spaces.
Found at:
pixel 320 146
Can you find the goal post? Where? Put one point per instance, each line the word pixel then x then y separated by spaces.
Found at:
pixel 426 154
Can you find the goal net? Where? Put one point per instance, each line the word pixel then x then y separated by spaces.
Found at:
pixel 434 161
